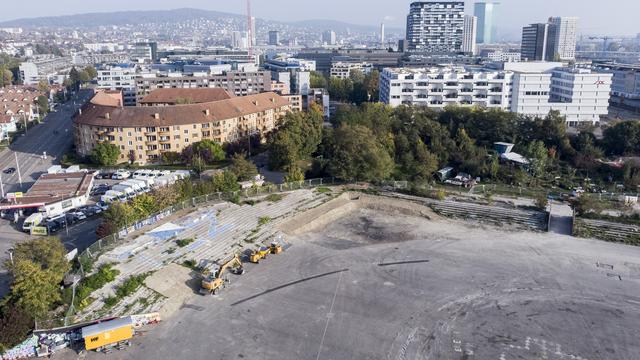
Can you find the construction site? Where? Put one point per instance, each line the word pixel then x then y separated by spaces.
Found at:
pixel 347 275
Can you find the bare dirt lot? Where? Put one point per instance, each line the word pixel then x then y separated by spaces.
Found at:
pixel 377 286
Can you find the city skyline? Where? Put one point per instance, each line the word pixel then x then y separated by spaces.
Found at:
pixel 595 19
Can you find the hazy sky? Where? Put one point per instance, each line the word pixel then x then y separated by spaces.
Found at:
pixel 613 17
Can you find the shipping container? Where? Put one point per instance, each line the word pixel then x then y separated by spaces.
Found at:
pixel 107 333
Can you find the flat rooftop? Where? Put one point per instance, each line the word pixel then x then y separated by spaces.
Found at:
pixel 50 188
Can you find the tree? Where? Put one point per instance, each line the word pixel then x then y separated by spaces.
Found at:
pixel 6 77
pixel 318 80
pixel 298 138
pixel 120 215
pixel 541 202
pixel 144 205
pixel 15 325
pixel 586 204
pixel 48 252
pixel 357 155
pixel 74 79
pixel 43 85
pixel 538 155
pixel 225 181
pixel 209 150
pixel 91 71
pixel 43 104
pixel 105 153
pixel 244 169
pixel 170 158
pixel 295 174
pixel 198 164
pixel 34 288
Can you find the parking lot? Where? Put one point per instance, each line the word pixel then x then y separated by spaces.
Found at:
pixel 374 285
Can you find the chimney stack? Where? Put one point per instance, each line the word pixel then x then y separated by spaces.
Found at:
pixel 156 116
pixel 107 116
pixel 207 112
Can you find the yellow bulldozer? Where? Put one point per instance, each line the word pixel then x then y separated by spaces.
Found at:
pixel 262 253
pixel 213 281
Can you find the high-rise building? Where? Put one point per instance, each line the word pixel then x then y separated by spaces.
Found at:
pixel 253 31
pixel 274 37
pixel 563 34
pixel 486 14
pixel 435 26
pixel 469 35
pixel 239 40
pixel 382 35
pixel 535 42
pixel 329 37
pixel 145 51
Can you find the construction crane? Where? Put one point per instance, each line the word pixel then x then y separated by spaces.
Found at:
pixel 605 41
pixel 262 253
pixel 212 282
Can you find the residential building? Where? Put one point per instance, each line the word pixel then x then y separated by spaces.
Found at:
pixel 342 70
pixel 43 68
pixel 563 34
pixel 533 89
pixel 18 104
pixel 486 14
pixel 469 34
pixel 238 83
pixel 441 86
pixel 282 64
pixel 435 26
pixel 172 97
pixel 324 58
pixel 144 133
pixel 536 45
pixel 502 56
pixel 274 37
pixel 121 77
pixel 329 37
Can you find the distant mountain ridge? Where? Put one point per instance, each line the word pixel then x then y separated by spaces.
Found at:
pixel 136 17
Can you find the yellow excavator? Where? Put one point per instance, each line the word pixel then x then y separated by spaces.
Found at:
pixel 262 253
pixel 212 282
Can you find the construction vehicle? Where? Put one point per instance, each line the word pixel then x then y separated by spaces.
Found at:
pixel 262 253
pixel 213 281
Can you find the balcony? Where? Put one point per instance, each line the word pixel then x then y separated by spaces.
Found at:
pixel 466 90
pixel 480 96
pixel 482 84
pixel 495 90
pixel 437 90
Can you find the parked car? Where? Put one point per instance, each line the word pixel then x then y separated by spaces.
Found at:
pixel 102 205
pixel 10 170
pixel 79 215
pixel 53 226
pixel 105 175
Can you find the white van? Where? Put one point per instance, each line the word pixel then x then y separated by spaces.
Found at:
pixel 121 175
pixel 32 221
pixel 111 196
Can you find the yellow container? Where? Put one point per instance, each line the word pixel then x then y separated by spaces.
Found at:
pixel 107 333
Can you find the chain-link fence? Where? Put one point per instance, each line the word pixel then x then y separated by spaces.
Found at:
pixel 103 245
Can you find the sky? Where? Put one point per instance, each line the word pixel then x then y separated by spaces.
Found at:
pixel 613 17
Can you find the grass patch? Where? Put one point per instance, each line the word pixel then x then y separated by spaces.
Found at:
pixel 88 285
pixel 170 251
pixel 251 202
pixel 323 190
pixel 274 197
pixel 190 264
pixel 264 220
pixel 184 242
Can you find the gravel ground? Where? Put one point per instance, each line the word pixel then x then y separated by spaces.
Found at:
pixel 378 286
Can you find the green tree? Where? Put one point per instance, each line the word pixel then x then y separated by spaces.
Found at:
pixel 198 164
pixel 225 181
pixel 48 252
pixel 586 204
pixel 170 158
pixel 298 138
pixel 144 205
pixel 43 85
pixel 34 288
pixel 15 325
pixel 6 77
pixel 243 168
pixel 209 150
pixel 105 153
pixel 538 155
pixel 43 105
pixel 91 71
pixel 318 80
pixel 295 174
pixel 120 215
pixel 357 155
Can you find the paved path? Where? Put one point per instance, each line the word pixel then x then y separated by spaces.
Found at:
pixel 561 218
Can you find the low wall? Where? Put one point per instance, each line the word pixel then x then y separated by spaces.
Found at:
pixel 606 230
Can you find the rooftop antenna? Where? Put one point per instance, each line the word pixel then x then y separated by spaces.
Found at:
pixel 249 29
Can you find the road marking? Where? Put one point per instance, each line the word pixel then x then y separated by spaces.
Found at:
pixel 329 316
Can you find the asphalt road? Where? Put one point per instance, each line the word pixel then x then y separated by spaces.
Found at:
pixel 379 286
pixel 29 149
pixel 38 140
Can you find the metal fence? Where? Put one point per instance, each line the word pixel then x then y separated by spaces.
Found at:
pixel 89 255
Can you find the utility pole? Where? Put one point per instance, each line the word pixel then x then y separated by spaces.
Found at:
pixel 18 168
pixel 1 186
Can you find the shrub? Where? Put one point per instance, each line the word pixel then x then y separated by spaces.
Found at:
pixel 264 220
pixel 274 197
pixel 184 242
pixel 15 325
pixel 323 190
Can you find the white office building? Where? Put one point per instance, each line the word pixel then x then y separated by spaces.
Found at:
pixel 119 77
pixel 504 56
pixel 435 26
pixel 531 89
pixel 342 69
pixel 563 34
pixel 329 38
pixel 469 35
